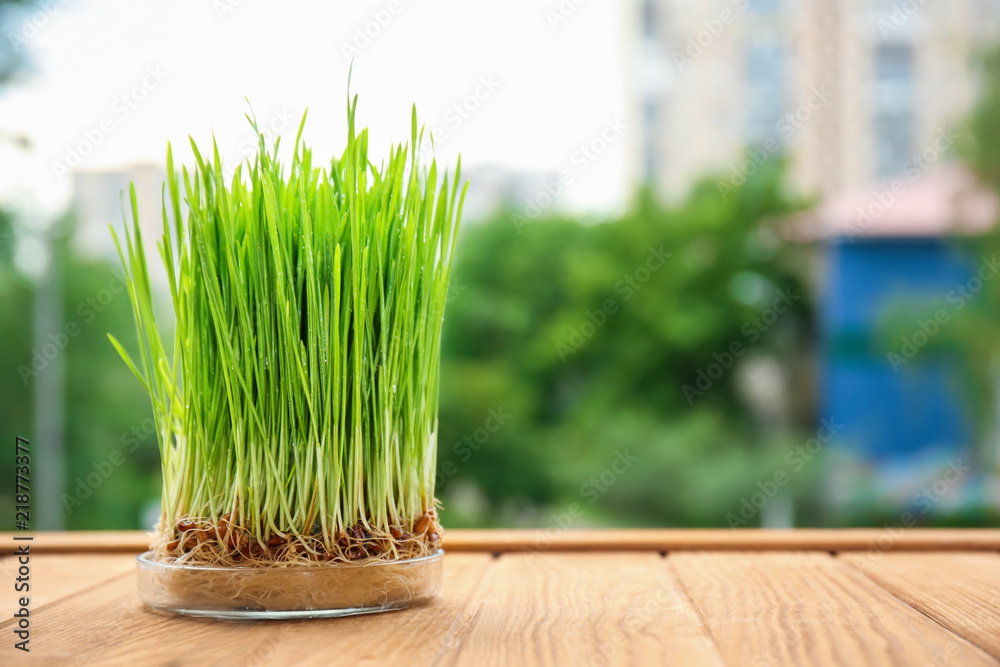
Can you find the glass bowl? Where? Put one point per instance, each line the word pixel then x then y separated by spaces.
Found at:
pixel 293 591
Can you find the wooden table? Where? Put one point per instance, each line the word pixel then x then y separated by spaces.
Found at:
pixel 657 597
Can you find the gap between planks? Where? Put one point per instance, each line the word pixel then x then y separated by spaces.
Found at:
pixel 664 540
pixel 811 608
pixel 56 577
pixel 539 608
pixel 959 591
pixel 533 608
pixel 119 629
pixel 556 608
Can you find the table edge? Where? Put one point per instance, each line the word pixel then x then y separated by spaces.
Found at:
pixel 642 539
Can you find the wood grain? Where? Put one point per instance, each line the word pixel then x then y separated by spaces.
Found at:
pixel 539 608
pixel 80 541
pixel 501 541
pixel 811 609
pixel 408 637
pixel 959 591
pixel 720 540
pixel 580 609
pixel 110 626
pixel 53 577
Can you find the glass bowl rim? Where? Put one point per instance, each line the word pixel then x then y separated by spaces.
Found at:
pixel 145 559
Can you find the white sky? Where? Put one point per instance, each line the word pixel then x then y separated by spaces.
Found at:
pixel 557 87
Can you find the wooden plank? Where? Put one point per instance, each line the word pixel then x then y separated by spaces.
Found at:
pixel 80 541
pixel 961 591
pixel 408 637
pixel 56 576
pixel 496 541
pixel 719 540
pixel 811 609
pixel 581 609
pixel 110 626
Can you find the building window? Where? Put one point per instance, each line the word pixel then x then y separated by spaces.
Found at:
pixel 765 101
pixel 650 122
pixel 764 7
pixel 894 108
pixel 987 12
pixel 648 18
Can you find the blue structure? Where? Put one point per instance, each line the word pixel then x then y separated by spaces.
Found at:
pixel 889 415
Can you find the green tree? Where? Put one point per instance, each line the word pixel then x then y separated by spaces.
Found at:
pixel 594 340
pixel 111 455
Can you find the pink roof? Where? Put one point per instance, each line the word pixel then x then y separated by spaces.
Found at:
pixel 942 200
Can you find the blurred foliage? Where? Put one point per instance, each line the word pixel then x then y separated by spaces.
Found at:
pixel 573 342
pixel 564 366
pixel 103 401
pixel 106 409
pixel 969 342
pixel 977 333
pixel 16 405
pixel 562 327
pixel 981 148
pixel 972 338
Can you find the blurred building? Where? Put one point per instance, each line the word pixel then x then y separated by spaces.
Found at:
pixel 99 198
pixel 493 188
pixel 889 261
pixel 854 92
